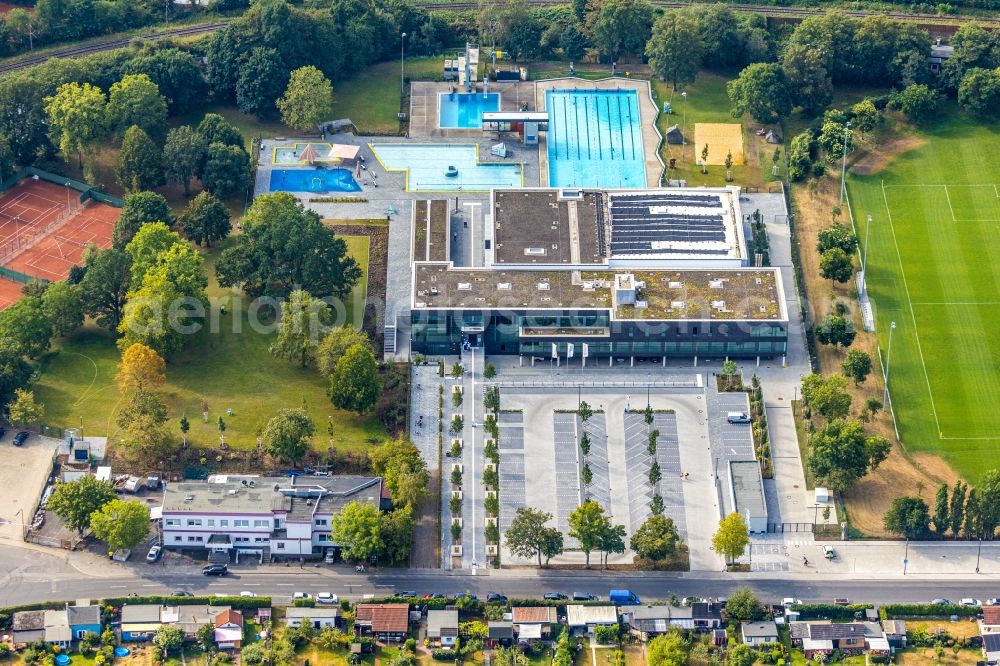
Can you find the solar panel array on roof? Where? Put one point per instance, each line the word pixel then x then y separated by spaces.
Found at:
pixel 663 223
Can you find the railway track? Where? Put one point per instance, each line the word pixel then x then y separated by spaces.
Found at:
pixel 927 20
pixel 74 51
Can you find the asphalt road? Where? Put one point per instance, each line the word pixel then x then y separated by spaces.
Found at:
pixel 30 576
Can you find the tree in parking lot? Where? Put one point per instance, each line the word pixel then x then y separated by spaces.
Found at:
pixel 528 535
pixel 909 517
pixel 732 537
pixel 24 409
pixel 74 502
pixel 744 606
pixel 120 524
pixel 358 529
pixel 587 523
pixel 656 539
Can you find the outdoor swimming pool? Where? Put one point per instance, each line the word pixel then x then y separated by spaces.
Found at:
pixel 293 154
pixel 313 180
pixel 595 139
pixel 465 110
pixel 426 165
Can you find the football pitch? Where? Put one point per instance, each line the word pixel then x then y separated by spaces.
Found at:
pixel 934 270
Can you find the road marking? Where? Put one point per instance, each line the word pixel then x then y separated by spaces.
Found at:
pixel 284 584
pixel 252 584
pixel 119 587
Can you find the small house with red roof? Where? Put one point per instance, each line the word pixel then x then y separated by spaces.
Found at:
pixel 229 630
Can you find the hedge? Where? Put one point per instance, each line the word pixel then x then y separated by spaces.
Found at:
pixel 442 654
pixel 829 611
pixel 929 610
pixel 239 603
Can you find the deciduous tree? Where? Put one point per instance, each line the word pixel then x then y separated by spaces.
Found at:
pixel 136 101
pixel 120 524
pixel 809 84
pixel 205 220
pixel 941 518
pixel 840 453
pixel 675 48
pixel 287 434
pixel 732 537
pixel 839 235
pixel 587 523
pixel 669 649
pixel 355 384
pixel 835 329
pixel 139 208
pixel 917 101
pixel 105 285
pixel 857 365
pixel 24 409
pixel 76 117
pixel 227 170
pixel 622 27
pixel 358 530
pixel 64 305
pixel 528 535
pixel 308 99
pixel 656 539
pixel 262 79
pixel 213 128
pixel 74 502
pixel 399 462
pixel 909 517
pixel 140 162
pixel 141 369
pixel 743 606
pixel 333 345
pixel 184 155
pixel 300 328
pixel 26 327
pixel 761 90
pixel 836 265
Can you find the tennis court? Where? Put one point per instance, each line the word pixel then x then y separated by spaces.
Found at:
pixel 44 230
pixel 10 292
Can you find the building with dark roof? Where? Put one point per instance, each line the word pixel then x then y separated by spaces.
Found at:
pixel 991 649
pixel 281 516
pixel 598 274
pixel 850 638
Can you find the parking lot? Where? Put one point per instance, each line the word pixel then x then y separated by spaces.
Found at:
pixel 22 479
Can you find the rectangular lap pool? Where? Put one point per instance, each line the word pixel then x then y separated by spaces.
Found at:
pixel 595 139
pixel 313 180
pixel 465 110
pixel 427 166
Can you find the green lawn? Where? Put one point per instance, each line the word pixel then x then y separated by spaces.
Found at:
pixel 371 99
pixel 248 125
pixel 357 246
pixel 935 271
pixel 229 368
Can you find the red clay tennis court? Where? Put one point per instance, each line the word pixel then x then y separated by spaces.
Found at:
pixel 44 229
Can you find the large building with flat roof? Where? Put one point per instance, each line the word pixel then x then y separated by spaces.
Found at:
pixel 598 274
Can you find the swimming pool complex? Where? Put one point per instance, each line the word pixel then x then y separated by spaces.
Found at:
pixel 426 164
pixel 595 139
pixel 313 180
pixel 465 110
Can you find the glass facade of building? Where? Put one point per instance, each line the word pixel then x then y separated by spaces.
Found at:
pixel 438 332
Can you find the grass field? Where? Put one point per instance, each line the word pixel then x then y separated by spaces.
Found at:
pixel 231 368
pixel 935 272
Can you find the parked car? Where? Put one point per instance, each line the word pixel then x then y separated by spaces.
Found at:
pixel 496 598
pixel 580 596
pixel 993 601
pixel 301 595
pixel 328 556
pixel 829 553
pixel 181 593
pixel 408 594
pixel 215 570
pixel 21 437
pixel 153 554
pixel 246 593
pixel 327 598
pixel 555 596
pixel 738 417
pixel 942 602
pixel 969 601
pixel 788 602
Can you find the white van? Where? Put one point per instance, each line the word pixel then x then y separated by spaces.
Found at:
pixel 738 417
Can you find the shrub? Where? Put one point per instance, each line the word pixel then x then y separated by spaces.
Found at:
pixel 442 654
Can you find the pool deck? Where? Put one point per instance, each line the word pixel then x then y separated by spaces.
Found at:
pixel 424 106
pixel 647 111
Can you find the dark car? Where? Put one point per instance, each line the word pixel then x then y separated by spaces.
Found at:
pixel 555 596
pixel 215 570
pixel 21 437
pixel 405 593
pixel 496 598
pixel 181 593
pixel 580 596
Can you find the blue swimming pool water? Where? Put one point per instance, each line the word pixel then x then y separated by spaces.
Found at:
pixel 313 180
pixel 595 139
pixel 426 165
pixel 465 110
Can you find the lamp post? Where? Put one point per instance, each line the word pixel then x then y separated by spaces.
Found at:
pixel 402 45
pixel 888 358
pixel 906 555
pixel 843 166
pixel 979 552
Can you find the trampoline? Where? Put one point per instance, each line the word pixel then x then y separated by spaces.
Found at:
pixel 122 652
pixel 63 660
